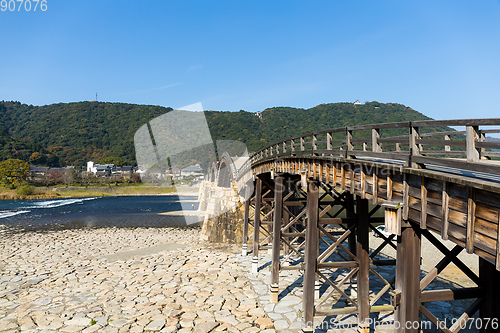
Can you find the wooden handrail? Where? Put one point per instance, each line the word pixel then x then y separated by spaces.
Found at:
pixel 315 143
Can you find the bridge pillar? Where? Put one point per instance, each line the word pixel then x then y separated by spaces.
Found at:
pixel 244 247
pixel 311 255
pixel 363 255
pixel 256 225
pixel 489 311
pixel 407 299
pixel 278 209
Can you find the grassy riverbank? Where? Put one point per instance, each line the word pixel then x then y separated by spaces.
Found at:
pixel 92 191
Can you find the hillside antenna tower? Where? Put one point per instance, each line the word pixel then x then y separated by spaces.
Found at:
pixel 96 97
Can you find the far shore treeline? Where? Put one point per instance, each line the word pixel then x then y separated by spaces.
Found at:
pixel 73 133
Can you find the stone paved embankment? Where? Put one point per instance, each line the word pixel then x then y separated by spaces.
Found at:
pixel 124 280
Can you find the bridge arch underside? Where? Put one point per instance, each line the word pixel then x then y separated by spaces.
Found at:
pixel 431 204
pixel 224 175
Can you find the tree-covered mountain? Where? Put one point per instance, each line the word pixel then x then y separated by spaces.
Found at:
pixel 283 122
pixel 83 131
pixel 26 151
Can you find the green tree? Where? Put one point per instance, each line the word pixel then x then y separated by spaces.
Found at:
pixel 12 171
pixel 117 161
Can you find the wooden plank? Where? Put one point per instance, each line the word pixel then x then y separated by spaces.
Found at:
pixel 487 212
pixel 445 211
pixel 471 215
pixel 435 210
pixel 488 198
pixel 434 197
pixel 485 255
pixel 458 218
pixel 397 185
pixel 485 243
pixel 434 223
pixel 375 189
pixel 434 185
pixel 486 228
pixel 438 142
pixel 456 203
pixel 457 232
pixel 387 155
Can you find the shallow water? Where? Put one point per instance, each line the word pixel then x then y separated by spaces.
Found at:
pixel 122 211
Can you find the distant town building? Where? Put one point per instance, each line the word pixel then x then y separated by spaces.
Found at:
pixel 192 170
pixel 258 114
pixel 173 172
pixel 100 169
pixel 357 102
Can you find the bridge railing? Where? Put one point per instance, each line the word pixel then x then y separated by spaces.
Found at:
pixel 425 144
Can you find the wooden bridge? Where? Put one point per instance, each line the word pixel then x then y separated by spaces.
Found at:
pixel 313 199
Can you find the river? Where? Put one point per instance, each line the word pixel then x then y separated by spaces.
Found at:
pixel 115 211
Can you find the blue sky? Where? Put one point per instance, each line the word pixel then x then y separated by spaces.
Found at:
pixel 439 57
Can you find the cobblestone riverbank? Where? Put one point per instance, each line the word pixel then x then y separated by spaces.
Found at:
pixel 124 280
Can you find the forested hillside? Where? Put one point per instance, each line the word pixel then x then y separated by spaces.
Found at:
pixel 73 133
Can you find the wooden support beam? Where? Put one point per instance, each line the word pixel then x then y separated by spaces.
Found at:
pixel 472 136
pixel 286 246
pixel 342 176
pixel 490 307
pixel 351 177
pixel 445 211
pixel 244 246
pixel 423 203
pixel 389 187
pixel 363 183
pixel 256 225
pixel 406 197
pixel 497 259
pixel 451 294
pixel 471 219
pixel 440 267
pixel 414 147
pixel 464 318
pixel 340 264
pixel 376 147
pixel 443 249
pixel 351 241
pixel 363 255
pixel 275 266
pixel 311 251
pixel 408 278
